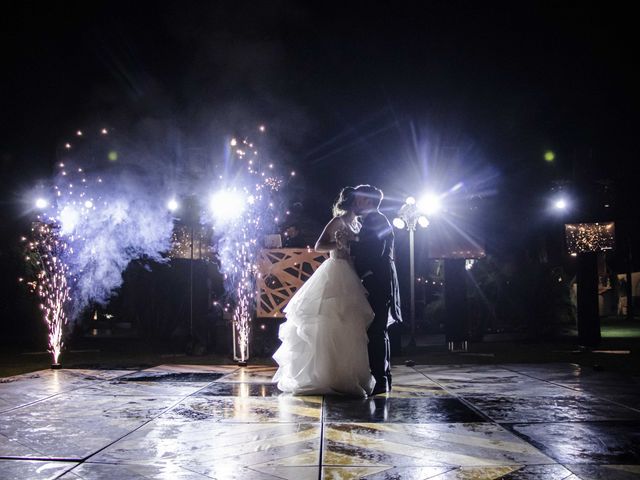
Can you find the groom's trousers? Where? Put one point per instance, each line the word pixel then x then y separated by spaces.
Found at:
pixel 379 348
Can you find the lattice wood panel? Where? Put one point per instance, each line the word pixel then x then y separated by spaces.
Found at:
pixel 282 271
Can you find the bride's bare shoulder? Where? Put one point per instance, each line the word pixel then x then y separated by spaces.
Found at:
pixel 335 222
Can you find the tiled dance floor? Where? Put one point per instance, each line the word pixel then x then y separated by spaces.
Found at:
pixel 556 421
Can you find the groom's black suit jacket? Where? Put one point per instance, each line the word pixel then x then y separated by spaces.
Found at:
pixel 374 261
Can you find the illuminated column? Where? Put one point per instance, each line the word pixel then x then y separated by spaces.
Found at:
pixel 585 241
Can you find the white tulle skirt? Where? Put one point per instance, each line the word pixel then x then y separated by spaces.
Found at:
pixel 324 339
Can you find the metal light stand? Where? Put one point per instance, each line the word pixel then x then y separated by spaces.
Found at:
pixel 409 215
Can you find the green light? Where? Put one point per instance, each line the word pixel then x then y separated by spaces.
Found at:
pixel 549 156
pixel 113 155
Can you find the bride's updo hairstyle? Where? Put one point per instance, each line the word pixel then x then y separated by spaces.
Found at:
pixel 345 201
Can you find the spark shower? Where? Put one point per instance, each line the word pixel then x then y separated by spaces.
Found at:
pixel 93 220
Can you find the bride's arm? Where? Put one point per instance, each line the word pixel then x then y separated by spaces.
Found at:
pixel 327 240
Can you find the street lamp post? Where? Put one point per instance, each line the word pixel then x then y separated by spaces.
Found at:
pixel 409 217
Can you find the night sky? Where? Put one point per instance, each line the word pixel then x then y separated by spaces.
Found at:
pixel 341 84
pixel 402 94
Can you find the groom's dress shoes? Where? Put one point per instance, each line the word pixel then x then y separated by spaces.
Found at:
pixel 377 390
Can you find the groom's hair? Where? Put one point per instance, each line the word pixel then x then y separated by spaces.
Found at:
pixel 371 192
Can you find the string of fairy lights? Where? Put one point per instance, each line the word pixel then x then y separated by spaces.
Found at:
pixel 589 237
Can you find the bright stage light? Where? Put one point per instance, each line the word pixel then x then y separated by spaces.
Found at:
pixel 172 205
pixel 41 203
pixel 69 218
pixel 429 204
pixel 410 201
pixel 227 204
pixel 399 223
pixel 88 204
pixel 560 204
pixel 423 221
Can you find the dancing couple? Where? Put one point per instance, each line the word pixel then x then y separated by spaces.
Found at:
pixel 335 338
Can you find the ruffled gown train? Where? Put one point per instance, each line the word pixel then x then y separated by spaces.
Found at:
pixel 324 338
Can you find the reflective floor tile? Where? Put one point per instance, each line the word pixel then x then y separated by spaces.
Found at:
pixel 384 408
pixel 481 373
pixel 571 374
pixel 97 471
pixel 507 472
pixel 241 427
pixel 249 409
pixel 33 469
pixel 172 377
pixel 575 408
pixel 138 389
pixel 386 472
pixel 31 387
pixel 452 444
pixel 589 442
pixel 627 400
pixel 74 426
pixel 480 380
pixel 224 389
pixel 90 471
pixel 515 388
pixel 206 447
pixel 415 391
pixel 606 472
pixel 627 394
pixel 224 369
pixel 258 374
pixel 402 375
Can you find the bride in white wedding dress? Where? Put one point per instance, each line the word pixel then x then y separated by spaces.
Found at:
pixel 324 338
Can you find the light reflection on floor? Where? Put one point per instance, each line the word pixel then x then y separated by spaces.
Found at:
pixel 543 421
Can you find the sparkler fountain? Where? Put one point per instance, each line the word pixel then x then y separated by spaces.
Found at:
pixel 243 213
pixel 89 227
pixel 46 257
pixel 105 217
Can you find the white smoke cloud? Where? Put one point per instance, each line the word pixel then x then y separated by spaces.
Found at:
pixel 109 223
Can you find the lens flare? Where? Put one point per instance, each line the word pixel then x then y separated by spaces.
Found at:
pixel 429 204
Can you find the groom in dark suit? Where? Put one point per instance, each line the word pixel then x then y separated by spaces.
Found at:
pixel 374 263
